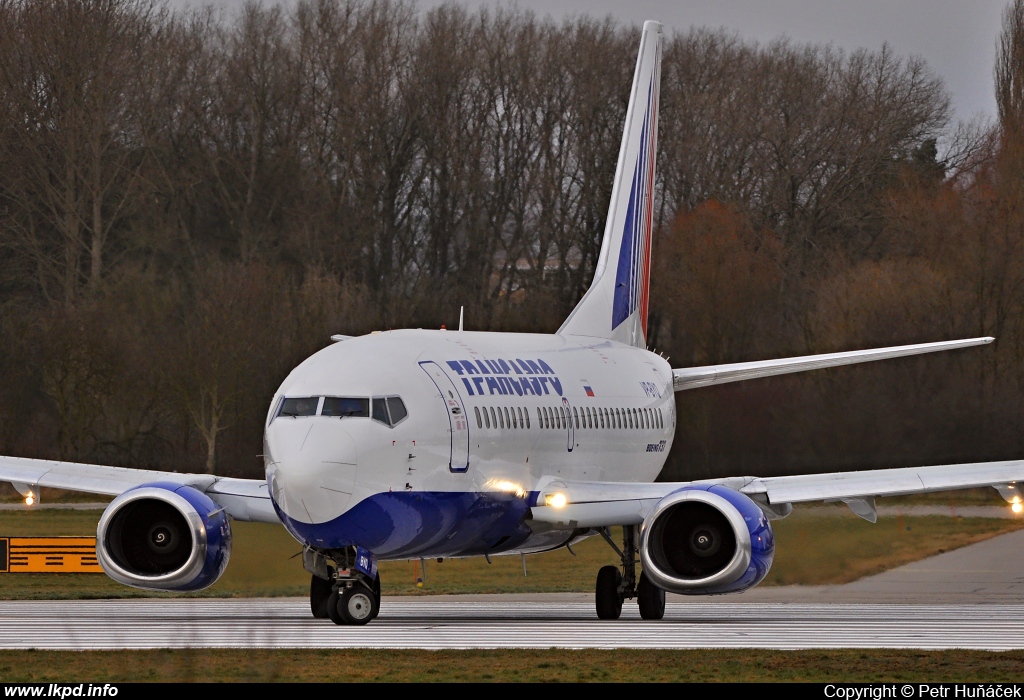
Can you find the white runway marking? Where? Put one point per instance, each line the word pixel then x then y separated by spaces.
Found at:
pixel 428 623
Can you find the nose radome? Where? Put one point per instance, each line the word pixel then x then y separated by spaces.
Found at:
pixel 313 467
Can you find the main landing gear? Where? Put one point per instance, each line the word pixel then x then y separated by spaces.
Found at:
pixel 614 585
pixel 346 596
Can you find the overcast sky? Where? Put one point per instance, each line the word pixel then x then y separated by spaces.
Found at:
pixel 956 37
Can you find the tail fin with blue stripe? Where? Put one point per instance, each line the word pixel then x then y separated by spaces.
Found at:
pixel 615 306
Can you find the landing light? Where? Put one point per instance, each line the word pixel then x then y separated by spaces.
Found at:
pixel 30 499
pixel 1017 507
pixel 508 487
pixel 556 500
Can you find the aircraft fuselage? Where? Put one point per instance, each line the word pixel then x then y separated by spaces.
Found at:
pixel 489 419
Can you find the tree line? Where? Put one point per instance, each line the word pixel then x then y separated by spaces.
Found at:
pixel 191 203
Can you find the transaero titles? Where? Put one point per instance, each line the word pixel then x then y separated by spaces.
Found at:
pixel 923 690
pixel 507 377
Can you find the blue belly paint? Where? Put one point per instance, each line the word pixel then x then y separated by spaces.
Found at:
pixel 410 524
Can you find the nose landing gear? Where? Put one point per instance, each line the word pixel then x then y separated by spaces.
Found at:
pixel 347 595
pixel 345 602
pixel 614 585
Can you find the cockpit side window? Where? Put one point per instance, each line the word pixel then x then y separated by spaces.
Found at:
pixel 396 407
pixel 346 407
pixel 380 411
pixel 305 406
pixel 389 410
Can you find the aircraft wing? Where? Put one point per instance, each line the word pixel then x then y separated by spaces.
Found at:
pixel 696 377
pixel 600 504
pixel 243 499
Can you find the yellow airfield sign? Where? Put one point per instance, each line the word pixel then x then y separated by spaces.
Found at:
pixel 50 555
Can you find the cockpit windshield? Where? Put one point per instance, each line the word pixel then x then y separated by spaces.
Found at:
pixel 387 410
pixel 305 406
pixel 346 407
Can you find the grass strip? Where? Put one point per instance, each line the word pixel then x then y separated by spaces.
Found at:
pixel 811 549
pixel 512 665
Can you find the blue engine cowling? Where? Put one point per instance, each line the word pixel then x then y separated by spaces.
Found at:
pixel 704 540
pixel 164 536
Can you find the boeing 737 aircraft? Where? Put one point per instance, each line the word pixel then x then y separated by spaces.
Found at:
pixel 431 443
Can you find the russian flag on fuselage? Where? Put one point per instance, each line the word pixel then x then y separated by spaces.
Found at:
pixel 633 275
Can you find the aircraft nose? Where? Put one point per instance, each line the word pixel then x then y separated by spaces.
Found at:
pixel 311 467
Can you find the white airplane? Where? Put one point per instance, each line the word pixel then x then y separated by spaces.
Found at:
pixel 431 443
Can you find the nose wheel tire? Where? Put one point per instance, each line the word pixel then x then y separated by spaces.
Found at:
pixel 376 597
pixel 608 596
pixel 357 605
pixel 651 599
pixel 319 594
pixel 334 610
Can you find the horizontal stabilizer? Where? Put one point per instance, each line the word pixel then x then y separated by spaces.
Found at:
pixel 696 377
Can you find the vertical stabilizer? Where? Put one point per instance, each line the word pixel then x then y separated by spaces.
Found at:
pixel 615 306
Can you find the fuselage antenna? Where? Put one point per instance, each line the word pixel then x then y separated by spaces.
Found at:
pixel 461 309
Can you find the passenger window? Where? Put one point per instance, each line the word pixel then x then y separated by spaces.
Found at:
pixel 508 421
pixel 526 412
pixel 501 419
pixel 396 407
pixel 487 418
pixel 494 418
pixel 576 417
pixel 380 411
pixel 479 423
pixel 547 418
pixel 300 407
pixel 521 424
pixel 346 407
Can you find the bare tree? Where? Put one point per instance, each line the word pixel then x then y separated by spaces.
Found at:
pixel 72 72
pixel 1009 68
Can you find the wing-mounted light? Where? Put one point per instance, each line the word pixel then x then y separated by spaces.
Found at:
pixel 1012 493
pixel 30 492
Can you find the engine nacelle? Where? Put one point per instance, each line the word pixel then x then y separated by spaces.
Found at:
pixel 705 540
pixel 164 536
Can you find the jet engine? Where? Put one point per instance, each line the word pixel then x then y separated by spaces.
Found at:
pixel 705 540
pixel 164 536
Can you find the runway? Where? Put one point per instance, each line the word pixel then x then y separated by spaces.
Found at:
pixel 970 598
pixel 434 623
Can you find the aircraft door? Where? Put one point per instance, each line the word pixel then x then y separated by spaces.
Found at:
pixel 458 421
pixel 568 419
